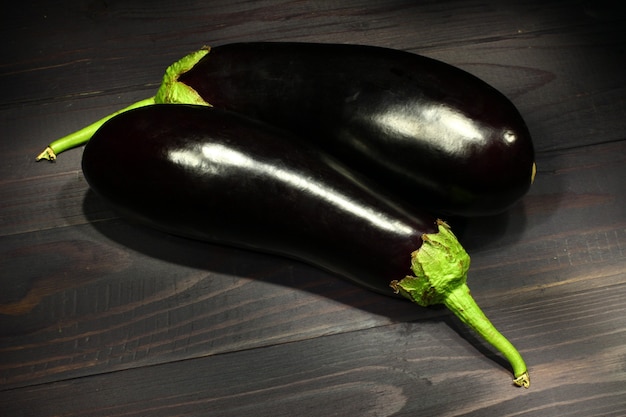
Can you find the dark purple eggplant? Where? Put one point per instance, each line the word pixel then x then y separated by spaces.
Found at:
pixel 431 134
pixel 217 176
pixel 427 131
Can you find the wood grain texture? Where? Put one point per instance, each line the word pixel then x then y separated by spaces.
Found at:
pixel 101 317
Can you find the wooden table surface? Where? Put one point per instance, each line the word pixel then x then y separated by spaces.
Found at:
pixel 100 317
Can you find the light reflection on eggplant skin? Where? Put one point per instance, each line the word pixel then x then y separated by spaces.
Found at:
pixel 212 158
pixel 444 128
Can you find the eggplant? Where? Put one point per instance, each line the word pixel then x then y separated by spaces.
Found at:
pixel 432 134
pixel 214 175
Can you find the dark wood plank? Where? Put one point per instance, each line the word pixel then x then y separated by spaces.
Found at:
pixel 422 368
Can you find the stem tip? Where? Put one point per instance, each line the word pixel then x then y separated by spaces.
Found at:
pixel 48 154
pixel 522 380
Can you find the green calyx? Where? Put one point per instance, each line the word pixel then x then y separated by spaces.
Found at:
pixel 171 91
pixel 440 266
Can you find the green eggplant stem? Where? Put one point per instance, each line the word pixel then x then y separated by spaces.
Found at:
pixel 82 136
pixel 440 267
pixel 170 91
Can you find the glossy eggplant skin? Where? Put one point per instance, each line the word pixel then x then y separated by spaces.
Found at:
pixel 432 134
pixel 214 175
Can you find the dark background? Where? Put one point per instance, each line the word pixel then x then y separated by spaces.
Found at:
pixel 99 317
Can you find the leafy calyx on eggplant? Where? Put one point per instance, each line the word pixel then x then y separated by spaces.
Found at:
pixel 440 266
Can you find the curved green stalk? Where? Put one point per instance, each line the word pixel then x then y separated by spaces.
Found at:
pixel 440 267
pixel 82 136
pixel 170 91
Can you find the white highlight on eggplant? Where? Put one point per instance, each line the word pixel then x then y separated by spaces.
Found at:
pixel 509 136
pixel 214 156
pixel 449 129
